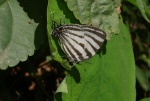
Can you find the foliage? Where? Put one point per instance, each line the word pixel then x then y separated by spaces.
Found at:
pixel 111 72
pixel 17 34
pixel 99 70
pixel 139 26
pixel 145 99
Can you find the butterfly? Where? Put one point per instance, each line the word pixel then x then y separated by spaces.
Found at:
pixel 78 42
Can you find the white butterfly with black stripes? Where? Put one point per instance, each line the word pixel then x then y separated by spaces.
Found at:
pixel 79 42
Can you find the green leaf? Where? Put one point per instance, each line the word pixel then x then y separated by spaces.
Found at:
pixel 145 99
pixel 105 77
pixel 143 78
pixel 144 7
pixel 17 34
pixel 99 13
pixel 145 59
pixel 132 2
pixel 62 87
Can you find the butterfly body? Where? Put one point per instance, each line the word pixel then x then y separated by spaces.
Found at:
pixel 79 42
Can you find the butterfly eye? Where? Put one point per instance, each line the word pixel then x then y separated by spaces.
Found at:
pixel 61 29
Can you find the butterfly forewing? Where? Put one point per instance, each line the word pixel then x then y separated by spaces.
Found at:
pixel 79 42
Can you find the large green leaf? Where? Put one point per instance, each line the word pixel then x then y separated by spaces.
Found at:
pixel 108 77
pixel 16 34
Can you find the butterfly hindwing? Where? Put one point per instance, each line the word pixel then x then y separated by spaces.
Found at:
pixel 94 37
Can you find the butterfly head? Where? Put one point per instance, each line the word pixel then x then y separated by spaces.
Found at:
pixel 57 29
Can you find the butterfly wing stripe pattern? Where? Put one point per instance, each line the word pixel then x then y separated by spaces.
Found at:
pixel 79 42
pixel 89 49
pixel 76 47
pixel 65 49
pixel 70 43
pixel 70 52
pixel 78 39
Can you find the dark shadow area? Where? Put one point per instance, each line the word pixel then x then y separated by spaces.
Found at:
pixel 104 47
pixel 75 74
pixel 58 96
pixel 29 81
pixel 140 93
pixel 68 14
pixel 37 12
pixel 41 35
pixel 36 9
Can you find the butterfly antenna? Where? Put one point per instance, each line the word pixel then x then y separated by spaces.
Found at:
pixel 64 18
pixel 61 21
pixel 54 23
pixel 52 15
